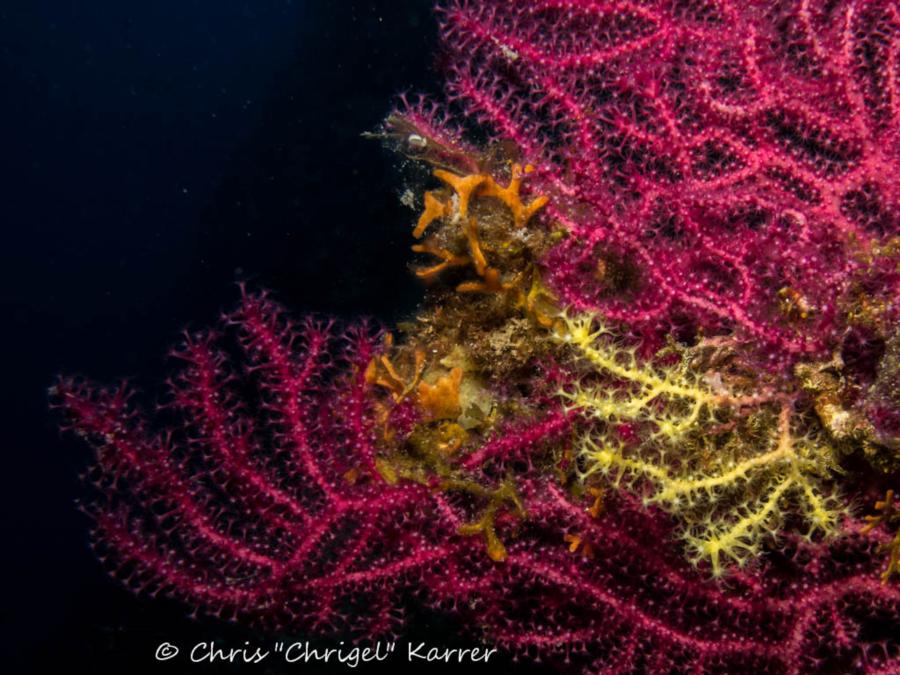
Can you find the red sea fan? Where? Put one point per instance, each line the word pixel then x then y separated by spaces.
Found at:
pixel 268 502
pixel 621 600
pixel 260 502
pixel 720 166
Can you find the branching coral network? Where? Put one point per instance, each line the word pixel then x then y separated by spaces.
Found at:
pixel 732 484
pixel 255 515
pixel 645 420
pixel 719 166
pixel 319 520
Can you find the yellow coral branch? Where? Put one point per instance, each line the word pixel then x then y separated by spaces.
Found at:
pixel 738 541
pixel 645 383
pixel 729 487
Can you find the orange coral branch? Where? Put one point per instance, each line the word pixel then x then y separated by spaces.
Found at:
pixel 450 260
pixel 387 376
pixel 888 515
pixel 464 186
pixel 471 230
pixel 434 209
pixel 509 195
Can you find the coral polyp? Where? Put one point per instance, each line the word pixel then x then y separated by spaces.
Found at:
pixel 645 419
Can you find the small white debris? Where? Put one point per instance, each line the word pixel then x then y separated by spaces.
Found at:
pixel 408 199
pixel 416 141
pixel 455 216
pixel 714 382
pixel 507 51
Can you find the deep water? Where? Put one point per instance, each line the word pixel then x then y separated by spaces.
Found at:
pixel 154 153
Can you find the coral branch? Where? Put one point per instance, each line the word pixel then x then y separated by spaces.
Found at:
pixel 264 507
pixel 734 154
pixel 709 189
pixel 732 487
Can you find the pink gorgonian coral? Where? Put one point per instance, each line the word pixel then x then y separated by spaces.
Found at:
pixel 719 166
pixel 714 170
pixel 616 601
pixel 257 501
pixel 271 495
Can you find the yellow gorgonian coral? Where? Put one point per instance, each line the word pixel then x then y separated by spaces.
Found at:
pixel 732 467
